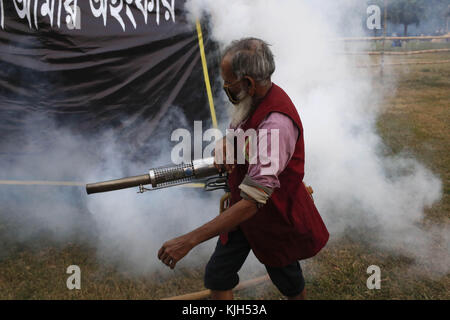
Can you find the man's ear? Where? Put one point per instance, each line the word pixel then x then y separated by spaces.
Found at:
pixel 251 85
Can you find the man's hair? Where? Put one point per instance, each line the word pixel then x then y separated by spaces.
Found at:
pixel 251 57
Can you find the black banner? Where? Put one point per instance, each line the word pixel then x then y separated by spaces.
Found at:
pixel 96 64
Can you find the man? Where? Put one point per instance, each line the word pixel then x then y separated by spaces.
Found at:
pixel 271 211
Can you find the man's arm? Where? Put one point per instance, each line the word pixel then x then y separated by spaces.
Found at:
pixel 174 250
pixel 256 188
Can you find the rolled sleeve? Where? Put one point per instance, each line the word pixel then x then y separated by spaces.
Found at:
pixel 251 190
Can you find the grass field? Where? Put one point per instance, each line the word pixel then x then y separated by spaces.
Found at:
pixel 416 118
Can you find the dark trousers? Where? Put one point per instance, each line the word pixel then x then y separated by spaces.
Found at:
pixel 221 272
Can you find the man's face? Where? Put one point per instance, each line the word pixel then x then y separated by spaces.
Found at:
pixel 232 85
pixel 242 101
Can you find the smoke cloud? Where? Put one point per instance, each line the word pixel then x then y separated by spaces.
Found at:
pixel 357 186
pixel 125 227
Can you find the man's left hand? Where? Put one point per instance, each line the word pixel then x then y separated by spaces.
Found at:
pixel 174 250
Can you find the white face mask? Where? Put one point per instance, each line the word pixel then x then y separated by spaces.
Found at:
pixel 240 111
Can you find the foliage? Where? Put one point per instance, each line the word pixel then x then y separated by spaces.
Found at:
pixel 406 12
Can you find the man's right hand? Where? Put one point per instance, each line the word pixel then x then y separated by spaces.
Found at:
pixel 220 156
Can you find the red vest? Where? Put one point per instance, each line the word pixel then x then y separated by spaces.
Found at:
pixel 288 227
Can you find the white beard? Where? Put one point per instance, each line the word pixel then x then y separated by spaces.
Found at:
pixel 240 112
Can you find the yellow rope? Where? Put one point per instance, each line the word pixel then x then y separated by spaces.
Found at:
pixel 393 38
pixel 394 53
pixel 69 183
pixel 47 183
pixel 205 74
pixel 404 63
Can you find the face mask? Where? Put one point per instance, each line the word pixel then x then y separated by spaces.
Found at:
pixel 233 98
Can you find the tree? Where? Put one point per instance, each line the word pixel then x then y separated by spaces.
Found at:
pixel 406 12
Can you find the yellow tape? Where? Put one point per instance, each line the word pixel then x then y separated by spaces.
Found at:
pixel 205 74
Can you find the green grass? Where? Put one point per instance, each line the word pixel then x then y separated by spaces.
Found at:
pixel 416 119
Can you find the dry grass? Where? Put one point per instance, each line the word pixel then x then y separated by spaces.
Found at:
pixel 416 118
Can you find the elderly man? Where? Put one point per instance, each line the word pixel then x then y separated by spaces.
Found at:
pixel 271 211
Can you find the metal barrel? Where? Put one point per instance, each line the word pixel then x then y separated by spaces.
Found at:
pixel 118 184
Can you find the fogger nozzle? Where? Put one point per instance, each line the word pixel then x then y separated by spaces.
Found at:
pixel 160 177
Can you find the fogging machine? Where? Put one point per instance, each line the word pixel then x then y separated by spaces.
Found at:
pixel 168 176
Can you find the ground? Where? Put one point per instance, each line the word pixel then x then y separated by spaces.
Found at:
pixel 416 118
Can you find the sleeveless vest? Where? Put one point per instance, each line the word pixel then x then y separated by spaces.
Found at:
pixel 288 227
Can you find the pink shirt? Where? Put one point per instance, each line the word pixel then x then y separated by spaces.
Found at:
pixel 288 135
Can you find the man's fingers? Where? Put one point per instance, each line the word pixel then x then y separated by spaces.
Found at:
pixel 218 167
pixel 229 167
pixel 164 256
pixel 160 252
pixel 167 260
pixel 172 251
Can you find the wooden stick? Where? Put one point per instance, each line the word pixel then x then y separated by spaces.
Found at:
pixel 206 293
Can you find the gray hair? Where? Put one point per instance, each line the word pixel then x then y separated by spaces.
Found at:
pixel 251 57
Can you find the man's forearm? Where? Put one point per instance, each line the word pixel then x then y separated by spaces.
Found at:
pixel 227 220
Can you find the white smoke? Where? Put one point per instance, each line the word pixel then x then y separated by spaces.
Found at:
pixel 356 186
pixel 126 228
